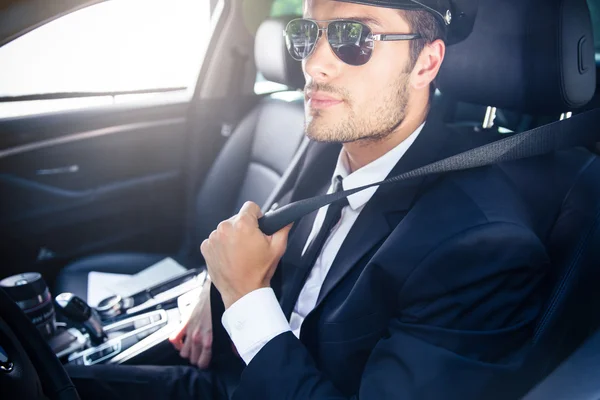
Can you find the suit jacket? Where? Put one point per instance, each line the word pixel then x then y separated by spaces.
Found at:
pixel 433 294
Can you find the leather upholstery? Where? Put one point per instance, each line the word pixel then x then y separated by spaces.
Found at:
pixel 247 168
pixel 271 55
pixel 532 56
pixel 563 194
pixel 573 379
pixel 527 63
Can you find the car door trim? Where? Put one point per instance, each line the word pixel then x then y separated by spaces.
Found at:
pixel 42 144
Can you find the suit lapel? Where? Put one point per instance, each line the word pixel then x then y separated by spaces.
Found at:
pixel 387 207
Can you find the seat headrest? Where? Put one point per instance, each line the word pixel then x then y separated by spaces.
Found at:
pixel 533 56
pixel 271 56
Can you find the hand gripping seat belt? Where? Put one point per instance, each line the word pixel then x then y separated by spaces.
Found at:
pixel 579 130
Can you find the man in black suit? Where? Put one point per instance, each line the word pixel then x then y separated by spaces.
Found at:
pixel 424 289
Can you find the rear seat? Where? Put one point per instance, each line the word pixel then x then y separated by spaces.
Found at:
pixel 247 168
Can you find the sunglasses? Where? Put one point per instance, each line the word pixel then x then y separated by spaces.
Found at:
pixel 351 41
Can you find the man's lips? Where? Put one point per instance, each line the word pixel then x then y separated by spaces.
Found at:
pixel 318 100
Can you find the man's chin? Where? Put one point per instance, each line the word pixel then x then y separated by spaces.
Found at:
pixel 321 139
pixel 328 129
pixel 320 133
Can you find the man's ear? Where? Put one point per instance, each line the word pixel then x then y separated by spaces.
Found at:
pixel 428 64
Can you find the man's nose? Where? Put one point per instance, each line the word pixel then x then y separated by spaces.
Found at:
pixel 322 65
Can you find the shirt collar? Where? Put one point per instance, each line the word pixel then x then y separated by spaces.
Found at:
pixel 373 172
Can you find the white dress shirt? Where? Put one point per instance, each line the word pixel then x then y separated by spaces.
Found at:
pixel 256 318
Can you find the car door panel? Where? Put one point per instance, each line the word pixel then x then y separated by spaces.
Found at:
pixel 83 182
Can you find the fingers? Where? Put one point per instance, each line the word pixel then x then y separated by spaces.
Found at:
pixel 206 351
pixel 178 344
pixel 177 336
pixel 196 349
pixel 247 217
pixel 204 248
pixel 185 352
pixel 279 239
pixel 251 209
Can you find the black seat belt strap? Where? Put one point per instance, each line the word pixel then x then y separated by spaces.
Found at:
pixel 287 180
pixel 579 130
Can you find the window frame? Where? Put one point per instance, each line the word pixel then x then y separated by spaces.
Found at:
pixel 20 105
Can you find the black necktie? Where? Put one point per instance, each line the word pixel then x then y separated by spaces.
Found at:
pixel 334 213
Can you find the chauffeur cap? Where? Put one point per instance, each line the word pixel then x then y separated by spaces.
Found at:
pixel 457 15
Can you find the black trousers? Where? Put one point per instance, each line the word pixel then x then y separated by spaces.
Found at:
pixel 145 382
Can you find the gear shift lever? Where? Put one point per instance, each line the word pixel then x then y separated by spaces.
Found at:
pixel 78 311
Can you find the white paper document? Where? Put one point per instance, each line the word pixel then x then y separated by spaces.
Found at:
pixel 103 284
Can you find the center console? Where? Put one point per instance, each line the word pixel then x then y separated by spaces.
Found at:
pixel 129 326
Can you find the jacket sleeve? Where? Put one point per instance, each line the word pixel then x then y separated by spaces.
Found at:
pixel 464 318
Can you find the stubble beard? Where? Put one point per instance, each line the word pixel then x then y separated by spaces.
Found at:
pixel 369 124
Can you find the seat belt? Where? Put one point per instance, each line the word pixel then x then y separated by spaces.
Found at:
pixel 288 178
pixel 579 130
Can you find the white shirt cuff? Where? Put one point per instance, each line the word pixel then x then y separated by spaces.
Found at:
pixel 253 321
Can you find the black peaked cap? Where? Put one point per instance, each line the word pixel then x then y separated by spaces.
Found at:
pixel 457 16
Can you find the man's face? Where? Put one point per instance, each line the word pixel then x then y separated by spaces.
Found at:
pixel 347 103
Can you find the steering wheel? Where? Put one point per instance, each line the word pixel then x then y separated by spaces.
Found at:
pixel 32 371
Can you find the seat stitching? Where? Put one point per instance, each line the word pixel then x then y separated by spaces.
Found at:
pixel 563 282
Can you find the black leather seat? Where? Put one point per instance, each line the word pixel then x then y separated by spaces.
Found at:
pixel 533 58
pixel 247 168
pixel 574 379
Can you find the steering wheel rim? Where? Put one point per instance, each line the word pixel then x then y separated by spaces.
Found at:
pixel 34 362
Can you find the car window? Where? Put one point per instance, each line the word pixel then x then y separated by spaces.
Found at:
pixel 279 8
pixel 126 50
pixel 286 7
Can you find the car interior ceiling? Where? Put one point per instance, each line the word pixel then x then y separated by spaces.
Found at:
pixel 256 155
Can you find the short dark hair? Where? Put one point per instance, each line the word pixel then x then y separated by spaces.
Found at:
pixel 429 28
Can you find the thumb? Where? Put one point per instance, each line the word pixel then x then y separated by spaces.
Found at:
pixel 279 238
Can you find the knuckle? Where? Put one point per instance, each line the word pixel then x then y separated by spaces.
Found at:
pixel 184 353
pixel 208 340
pixel 197 338
pixel 245 218
pixel 250 207
pixel 245 221
pixel 204 246
pixel 223 227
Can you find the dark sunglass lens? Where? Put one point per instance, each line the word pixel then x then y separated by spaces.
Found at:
pixel 300 37
pixel 351 41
